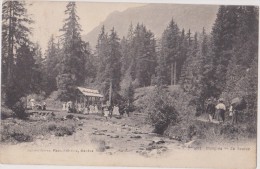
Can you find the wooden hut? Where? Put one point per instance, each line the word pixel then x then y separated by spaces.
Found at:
pixel 86 97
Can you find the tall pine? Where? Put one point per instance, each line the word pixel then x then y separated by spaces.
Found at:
pixel 72 69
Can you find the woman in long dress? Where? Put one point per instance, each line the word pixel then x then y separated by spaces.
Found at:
pixel 116 111
pixel 106 112
pixel 96 109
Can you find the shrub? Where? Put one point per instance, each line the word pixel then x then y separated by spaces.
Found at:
pixel 64 130
pixel 160 110
pixel 19 109
pixel 21 137
pixel 70 116
pixel 6 113
pixel 52 127
pixel 101 144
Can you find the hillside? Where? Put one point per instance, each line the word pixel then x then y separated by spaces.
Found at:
pixel 156 17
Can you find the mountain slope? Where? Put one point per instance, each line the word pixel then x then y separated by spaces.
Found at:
pixel 156 17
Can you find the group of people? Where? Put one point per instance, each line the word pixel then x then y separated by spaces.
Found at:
pixel 218 111
pixel 105 109
pixel 108 111
pixel 38 106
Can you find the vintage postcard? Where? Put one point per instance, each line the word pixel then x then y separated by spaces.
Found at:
pixel 129 84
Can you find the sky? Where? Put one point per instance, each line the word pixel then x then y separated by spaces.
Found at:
pixel 49 16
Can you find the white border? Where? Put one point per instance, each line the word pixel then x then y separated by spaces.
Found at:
pixel 208 2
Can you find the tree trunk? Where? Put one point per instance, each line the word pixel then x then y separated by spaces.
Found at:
pixel 175 73
pixel 110 93
pixel 10 47
pixel 172 74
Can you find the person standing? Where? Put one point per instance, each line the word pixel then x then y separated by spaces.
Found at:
pixel 210 109
pixel 106 112
pixel 221 109
pixel 44 106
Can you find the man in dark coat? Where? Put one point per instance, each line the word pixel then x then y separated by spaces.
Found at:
pixel 237 104
pixel 210 109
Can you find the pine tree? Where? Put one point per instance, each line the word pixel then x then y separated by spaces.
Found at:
pixel 24 74
pixel 113 66
pixel 72 69
pixel 144 61
pixel 223 34
pixel 242 70
pixel 125 60
pixel 170 51
pixel 101 54
pixel 38 70
pixel 15 33
pixel 51 66
pixel 183 50
pixel 90 65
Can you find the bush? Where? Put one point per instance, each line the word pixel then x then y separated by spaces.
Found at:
pixel 6 113
pixel 64 130
pixel 101 145
pixel 160 110
pixel 19 109
pixel 21 137
pixel 10 132
pixel 52 127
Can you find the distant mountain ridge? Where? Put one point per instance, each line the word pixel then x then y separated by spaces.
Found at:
pixel 156 17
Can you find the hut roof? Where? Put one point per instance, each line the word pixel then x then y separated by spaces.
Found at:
pixel 89 92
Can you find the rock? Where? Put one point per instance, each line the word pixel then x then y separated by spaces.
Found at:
pixel 80 124
pixel 135 136
pixel 160 142
pixel 151 143
pixel 154 152
pixel 115 136
pixel 164 149
pixel 70 116
pixel 40 137
pixel 192 143
pixel 153 134
pixel 137 132
pixel 178 138
pixel 77 119
pixel 97 133
pixel 107 147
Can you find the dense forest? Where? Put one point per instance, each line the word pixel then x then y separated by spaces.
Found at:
pixel 222 63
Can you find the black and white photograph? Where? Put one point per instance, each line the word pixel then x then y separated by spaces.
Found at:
pixel 129 84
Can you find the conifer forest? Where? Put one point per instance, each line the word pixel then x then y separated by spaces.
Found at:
pixel 163 84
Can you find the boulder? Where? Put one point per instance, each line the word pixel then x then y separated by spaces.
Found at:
pixel 134 136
